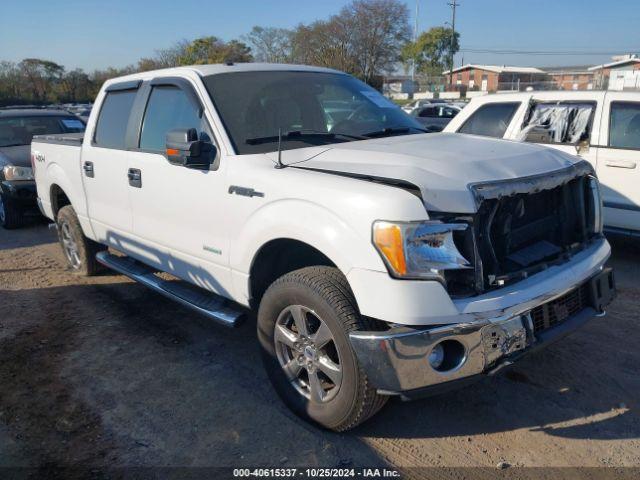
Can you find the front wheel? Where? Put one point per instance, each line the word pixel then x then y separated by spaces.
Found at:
pixel 304 322
pixel 79 251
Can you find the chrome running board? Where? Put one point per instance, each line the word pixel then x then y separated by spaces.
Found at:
pixel 202 301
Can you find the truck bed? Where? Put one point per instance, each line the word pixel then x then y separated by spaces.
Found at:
pixel 57 161
pixel 61 138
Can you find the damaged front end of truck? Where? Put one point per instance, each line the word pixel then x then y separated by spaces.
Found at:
pixel 523 226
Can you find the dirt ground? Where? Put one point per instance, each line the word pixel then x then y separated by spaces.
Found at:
pixel 102 372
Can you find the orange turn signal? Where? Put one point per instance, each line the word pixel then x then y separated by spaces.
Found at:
pixel 387 237
pixel 173 151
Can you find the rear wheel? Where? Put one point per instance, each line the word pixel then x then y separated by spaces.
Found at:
pixel 304 322
pixel 10 214
pixel 79 251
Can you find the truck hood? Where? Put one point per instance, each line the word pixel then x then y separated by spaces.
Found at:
pixel 441 165
pixel 19 156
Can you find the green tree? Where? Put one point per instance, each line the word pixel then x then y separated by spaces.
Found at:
pixel 431 51
pixel 213 50
pixel 40 77
pixel 75 86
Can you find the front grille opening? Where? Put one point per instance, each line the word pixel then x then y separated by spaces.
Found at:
pixel 515 236
pixel 557 311
pixel 522 234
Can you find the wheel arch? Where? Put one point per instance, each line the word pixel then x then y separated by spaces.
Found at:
pixel 278 257
pixel 59 199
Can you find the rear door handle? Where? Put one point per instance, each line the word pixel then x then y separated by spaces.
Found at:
pixel 88 169
pixel 620 163
pixel 135 177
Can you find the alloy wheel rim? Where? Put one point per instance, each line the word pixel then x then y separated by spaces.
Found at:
pixel 69 245
pixel 308 354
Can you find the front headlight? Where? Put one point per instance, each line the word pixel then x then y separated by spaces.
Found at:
pixel 418 249
pixel 12 172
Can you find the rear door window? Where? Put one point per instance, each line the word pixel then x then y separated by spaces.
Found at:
pixel 624 125
pixel 490 120
pixel 168 108
pixel 111 128
pixel 565 123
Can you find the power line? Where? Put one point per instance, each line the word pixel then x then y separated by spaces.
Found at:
pixel 547 52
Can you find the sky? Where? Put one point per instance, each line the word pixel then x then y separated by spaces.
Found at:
pixel 92 34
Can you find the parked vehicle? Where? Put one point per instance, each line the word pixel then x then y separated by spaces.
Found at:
pixel 410 107
pixel 17 188
pixel 435 117
pixel 602 127
pixel 380 261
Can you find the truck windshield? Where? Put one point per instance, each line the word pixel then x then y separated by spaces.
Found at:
pixel 303 109
pixel 17 130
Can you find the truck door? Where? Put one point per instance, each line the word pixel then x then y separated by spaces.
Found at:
pixel 619 162
pixel 105 164
pixel 179 212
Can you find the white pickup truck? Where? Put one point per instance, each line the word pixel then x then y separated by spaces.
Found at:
pixel 380 260
pixel 603 127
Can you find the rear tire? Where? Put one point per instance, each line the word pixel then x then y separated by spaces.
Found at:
pixel 10 214
pixel 79 251
pixel 343 397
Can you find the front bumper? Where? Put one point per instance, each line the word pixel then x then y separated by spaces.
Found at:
pixel 21 192
pixel 396 361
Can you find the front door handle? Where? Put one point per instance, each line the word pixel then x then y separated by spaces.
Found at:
pixel 88 169
pixel 621 163
pixel 135 177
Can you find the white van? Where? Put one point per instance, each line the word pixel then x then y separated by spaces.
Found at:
pixel 602 127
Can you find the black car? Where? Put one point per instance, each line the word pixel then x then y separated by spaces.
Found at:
pixel 436 116
pixel 17 128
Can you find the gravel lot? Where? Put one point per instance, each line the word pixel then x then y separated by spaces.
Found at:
pixel 102 372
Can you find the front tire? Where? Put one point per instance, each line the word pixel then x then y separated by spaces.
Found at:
pixel 79 251
pixel 10 214
pixel 304 322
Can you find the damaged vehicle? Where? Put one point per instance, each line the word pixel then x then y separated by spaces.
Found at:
pixel 603 127
pixel 381 261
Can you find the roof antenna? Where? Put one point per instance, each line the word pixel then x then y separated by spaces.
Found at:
pixel 280 164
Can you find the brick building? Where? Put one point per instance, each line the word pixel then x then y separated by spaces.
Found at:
pixel 491 78
pixel 570 78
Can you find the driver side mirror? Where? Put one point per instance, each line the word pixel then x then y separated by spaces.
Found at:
pixel 185 149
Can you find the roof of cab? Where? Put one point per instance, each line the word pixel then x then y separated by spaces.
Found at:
pixel 214 69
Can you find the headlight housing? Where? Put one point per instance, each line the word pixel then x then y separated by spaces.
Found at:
pixel 595 205
pixel 419 249
pixel 11 172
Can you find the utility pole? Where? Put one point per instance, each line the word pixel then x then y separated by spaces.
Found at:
pixel 415 38
pixel 453 4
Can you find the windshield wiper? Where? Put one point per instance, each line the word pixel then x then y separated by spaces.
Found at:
pixel 392 130
pixel 13 145
pixel 302 133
